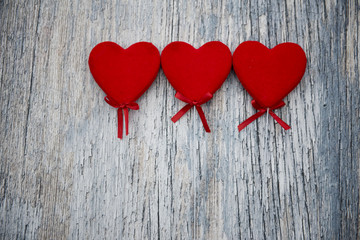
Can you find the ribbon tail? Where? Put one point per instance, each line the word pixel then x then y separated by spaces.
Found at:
pixel 126 114
pixel 120 123
pixel 203 118
pixel 181 113
pixel 280 121
pixel 250 120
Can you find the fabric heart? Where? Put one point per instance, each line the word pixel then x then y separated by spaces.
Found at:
pixel 124 74
pixel 196 74
pixel 269 75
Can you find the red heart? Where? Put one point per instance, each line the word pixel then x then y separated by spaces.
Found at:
pixel 269 75
pixel 124 74
pixel 195 72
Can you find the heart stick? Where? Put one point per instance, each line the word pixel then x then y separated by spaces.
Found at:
pixel 124 74
pixel 195 74
pixel 268 75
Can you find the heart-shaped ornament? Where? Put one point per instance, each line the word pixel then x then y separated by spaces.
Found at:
pixel 124 74
pixel 196 74
pixel 268 75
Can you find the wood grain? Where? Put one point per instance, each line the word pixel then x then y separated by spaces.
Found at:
pixel 65 175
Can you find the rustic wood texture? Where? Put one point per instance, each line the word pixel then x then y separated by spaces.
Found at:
pixel 65 175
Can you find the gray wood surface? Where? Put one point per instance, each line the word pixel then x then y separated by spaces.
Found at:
pixel 65 175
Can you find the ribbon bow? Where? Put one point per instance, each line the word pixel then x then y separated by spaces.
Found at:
pixel 190 104
pixel 261 112
pixel 120 107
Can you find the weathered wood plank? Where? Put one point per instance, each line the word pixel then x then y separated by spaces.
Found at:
pixel 64 174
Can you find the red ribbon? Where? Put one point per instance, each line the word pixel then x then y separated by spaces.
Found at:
pixel 190 104
pixel 120 107
pixel 261 112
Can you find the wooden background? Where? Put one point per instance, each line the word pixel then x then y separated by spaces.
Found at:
pixel 65 175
